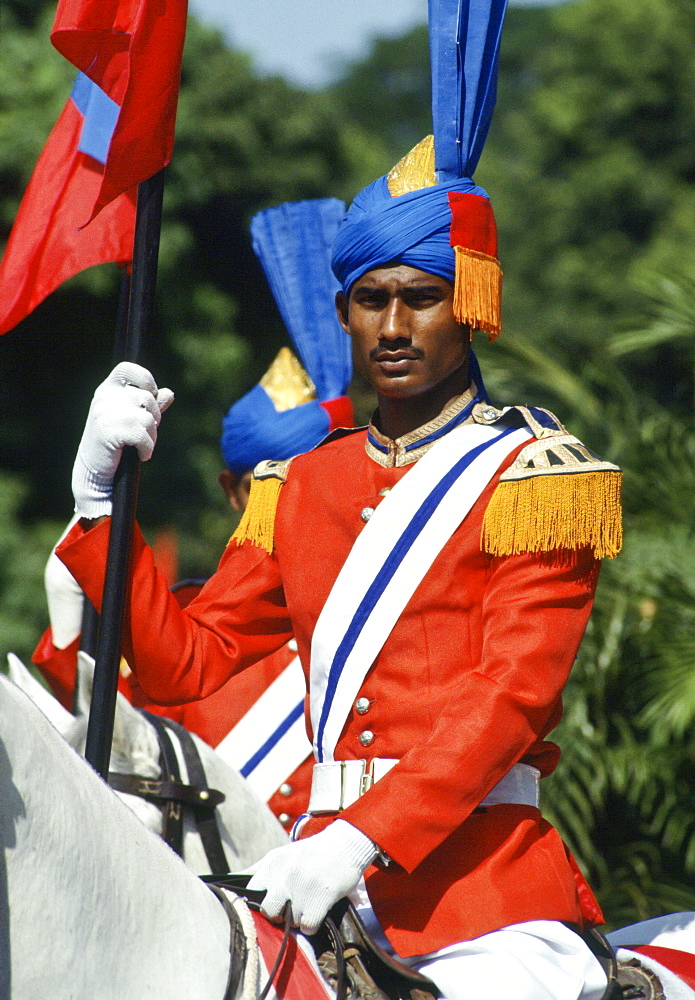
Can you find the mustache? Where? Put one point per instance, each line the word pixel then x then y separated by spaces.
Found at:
pixel 383 352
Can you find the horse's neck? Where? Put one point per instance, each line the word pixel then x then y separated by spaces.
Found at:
pixel 248 827
pixel 93 904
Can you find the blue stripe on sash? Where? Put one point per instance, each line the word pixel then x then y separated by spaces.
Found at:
pixel 386 573
pixel 274 738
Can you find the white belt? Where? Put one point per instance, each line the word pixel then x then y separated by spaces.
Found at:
pixel 338 784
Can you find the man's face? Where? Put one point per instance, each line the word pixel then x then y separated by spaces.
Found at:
pixel 405 337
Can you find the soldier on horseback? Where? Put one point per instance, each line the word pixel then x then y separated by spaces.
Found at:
pixel 437 570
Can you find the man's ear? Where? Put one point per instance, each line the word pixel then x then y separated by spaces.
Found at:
pixel 342 308
pixel 230 483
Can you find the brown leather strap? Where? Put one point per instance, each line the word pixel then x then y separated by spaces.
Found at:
pixel 205 818
pixel 158 791
pixel 386 970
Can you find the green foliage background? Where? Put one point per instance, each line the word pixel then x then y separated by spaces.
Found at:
pixel 591 166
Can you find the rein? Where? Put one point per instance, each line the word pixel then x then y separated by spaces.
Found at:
pixel 358 968
pixel 253 898
pixel 174 795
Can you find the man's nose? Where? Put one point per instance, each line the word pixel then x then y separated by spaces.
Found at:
pixel 393 324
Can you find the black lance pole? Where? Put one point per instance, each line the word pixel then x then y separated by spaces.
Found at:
pixel 125 487
pixel 89 631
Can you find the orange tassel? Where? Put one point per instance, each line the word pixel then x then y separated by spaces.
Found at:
pixel 558 511
pixel 257 524
pixel 478 291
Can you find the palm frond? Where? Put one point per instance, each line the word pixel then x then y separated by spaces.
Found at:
pixel 670 307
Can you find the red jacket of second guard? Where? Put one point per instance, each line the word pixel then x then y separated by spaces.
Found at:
pixel 468 683
pixel 210 718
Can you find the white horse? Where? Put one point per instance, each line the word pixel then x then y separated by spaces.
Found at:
pixel 91 903
pixel 247 827
pixel 94 905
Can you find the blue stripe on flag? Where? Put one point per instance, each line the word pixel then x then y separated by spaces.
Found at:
pixel 387 571
pixel 100 116
pixel 274 738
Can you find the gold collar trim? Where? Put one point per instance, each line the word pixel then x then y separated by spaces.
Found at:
pixel 391 453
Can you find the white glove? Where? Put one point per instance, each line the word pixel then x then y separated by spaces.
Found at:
pixel 313 874
pixel 126 410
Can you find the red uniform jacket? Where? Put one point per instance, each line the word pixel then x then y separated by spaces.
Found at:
pixel 468 683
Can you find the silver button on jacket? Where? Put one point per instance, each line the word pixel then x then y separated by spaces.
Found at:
pixel 362 705
pixel 366 737
pixel 366 513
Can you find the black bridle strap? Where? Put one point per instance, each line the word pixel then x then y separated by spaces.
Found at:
pixel 204 810
pixel 172 826
pixel 161 791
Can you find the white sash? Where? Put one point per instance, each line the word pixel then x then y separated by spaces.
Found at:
pixel 270 742
pixel 388 560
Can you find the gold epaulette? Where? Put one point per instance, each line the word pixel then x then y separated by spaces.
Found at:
pixel 257 524
pixel 557 494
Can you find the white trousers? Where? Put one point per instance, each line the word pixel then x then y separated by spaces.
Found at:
pixel 536 960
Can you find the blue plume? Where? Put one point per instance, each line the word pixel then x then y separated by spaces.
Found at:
pixel 464 50
pixel 293 242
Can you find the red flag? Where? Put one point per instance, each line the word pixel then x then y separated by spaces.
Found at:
pixel 132 50
pixel 46 245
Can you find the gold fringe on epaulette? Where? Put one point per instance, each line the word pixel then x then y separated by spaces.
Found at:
pixel 559 511
pixel 478 291
pixel 257 524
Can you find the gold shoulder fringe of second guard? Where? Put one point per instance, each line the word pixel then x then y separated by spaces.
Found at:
pixel 257 524
pixel 556 495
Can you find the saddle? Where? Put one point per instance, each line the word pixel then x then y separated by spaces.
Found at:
pixel 351 962
pixel 371 973
pixel 357 968
pixel 626 980
pixel 374 975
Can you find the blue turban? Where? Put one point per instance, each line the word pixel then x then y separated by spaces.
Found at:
pixel 293 242
pixel 254 430
pixel 427 228
pixel 411 228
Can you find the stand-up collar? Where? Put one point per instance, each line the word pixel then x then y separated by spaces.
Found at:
pixel 467 408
